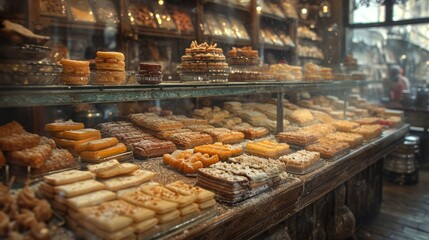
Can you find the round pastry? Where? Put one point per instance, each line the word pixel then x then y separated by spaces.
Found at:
pixel 80 68
pixel 110 61
pixel 70 79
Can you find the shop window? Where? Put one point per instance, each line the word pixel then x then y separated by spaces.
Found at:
pixel 367 12
pixel 412 9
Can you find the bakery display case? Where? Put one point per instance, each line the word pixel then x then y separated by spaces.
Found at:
pixel 181 121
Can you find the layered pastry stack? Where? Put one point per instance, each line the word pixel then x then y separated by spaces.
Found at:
pixel 189 162
pixel 20 148
pixel 243 177
pixel 246 65
pixel 144 145
pixel 301 117
pixel 203 62
pixel 285 72
pixel 75 72
pixel 110 68
pixel 305 136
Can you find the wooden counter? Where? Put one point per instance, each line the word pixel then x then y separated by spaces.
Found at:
pixel 274 209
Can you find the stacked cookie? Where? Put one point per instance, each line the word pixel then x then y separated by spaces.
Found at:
pixel 75 72
pixel 110 68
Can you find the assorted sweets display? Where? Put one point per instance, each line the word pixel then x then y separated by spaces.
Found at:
pixel 122 199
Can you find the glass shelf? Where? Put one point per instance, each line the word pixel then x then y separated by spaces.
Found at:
pixel 28 96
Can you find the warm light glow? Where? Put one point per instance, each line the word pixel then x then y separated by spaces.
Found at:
pixel 304 11
pixel 258 9
pixel 403 57
pixel 325 9
pixel 161 2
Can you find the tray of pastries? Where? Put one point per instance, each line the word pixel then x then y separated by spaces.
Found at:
pixel 267 148
pixel 224 151
pixel 30 155
pixel 298 138
pixel 345 125
pixel 369 132
pixel 302 162
pixel 302 117
pixel 353 139
pixel 233 181
pixel 249 131
pixel 330 150
pixel 368 120
pixel 224 135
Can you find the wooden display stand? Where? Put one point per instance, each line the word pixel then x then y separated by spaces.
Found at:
pixel 331 200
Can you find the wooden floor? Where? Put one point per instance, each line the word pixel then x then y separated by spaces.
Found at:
pixel 404 212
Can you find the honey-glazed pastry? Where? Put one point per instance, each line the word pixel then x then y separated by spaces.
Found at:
pixel 81 134
pixel 168 195
pixel 368 120
pixel 345 125
pixel 190 139
pixel 353 139
pixel 19 141
pixel 327 149
pixel 153 122
pixel 34 157
pixel 249 131
pixel 224 135
pixel 301 117
pixel 11 128
pixel 189 162
pixel 320 129
pixel 95 156
pixel 199 128
pixel 167 134
pixel 59 159
pixel 223 151
pixel 369 131
pixel 63 126
pixel 98 144
pixel 187 121
pixel 322 117
pixel 297 137
pixel 267 148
